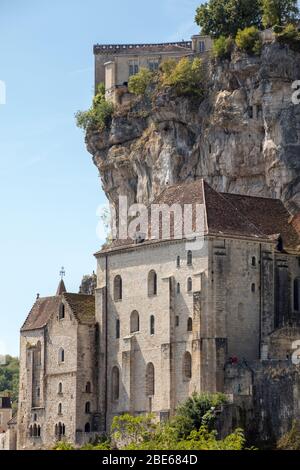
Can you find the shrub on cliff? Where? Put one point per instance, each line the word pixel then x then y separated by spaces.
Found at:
pixel 248 40
pixel 289 35
pixel 290 440
pixel 222 47
pixel 185 76
pixel 139 83
pixel 99 115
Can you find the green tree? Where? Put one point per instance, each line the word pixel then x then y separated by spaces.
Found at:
pixel 185 76
pixel 222 47
pixel 99 115
pixel 248 40
pixel 139 82
pixel 226 17
pixel 279 12
pixel 9 379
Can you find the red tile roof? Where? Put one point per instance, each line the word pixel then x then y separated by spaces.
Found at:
pixel 227 215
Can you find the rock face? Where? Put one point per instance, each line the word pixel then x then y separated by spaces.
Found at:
pixel 243 137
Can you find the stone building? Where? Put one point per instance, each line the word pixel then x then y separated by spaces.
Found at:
pixel 115 63
pixel 170 318
pixel 58 371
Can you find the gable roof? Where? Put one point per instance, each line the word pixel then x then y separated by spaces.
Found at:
pixel 82 307
pixel 227 215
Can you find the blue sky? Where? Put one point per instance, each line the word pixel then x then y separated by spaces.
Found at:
pixel 49 188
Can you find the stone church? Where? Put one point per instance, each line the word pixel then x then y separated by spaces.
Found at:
pixel 165 321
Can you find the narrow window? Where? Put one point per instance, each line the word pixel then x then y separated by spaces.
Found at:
pixel 296 294
pixel 115 383
pixel 61 355
pixel 190 324
pixel 30 431
pixel 178 288
pixel 117 328
pixel 87 427
pixel 150 380
pixel 152 283
pixel 178 262
pixel 60 387
pixel 177 320
pixel 38 392
pixel 253 261
pixel 118 288
pixel 189 284
pixel 152 325
pixel 253 287
pixel 39 431
pixel 134 322
pixel 189 258
pixel 88 407
pixel 187 366
pixel 60 409
pixel 61 314
pixel 88 387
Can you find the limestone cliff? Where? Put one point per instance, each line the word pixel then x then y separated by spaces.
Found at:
pixel 243 137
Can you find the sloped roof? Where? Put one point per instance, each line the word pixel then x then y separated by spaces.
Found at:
pixel 82 306
pixel 227 215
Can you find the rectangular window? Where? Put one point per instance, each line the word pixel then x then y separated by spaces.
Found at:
pixel 201 46
pixel 153 65
pixel 133 67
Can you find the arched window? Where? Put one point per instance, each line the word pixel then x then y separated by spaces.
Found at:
pixel 189 284
pixel 134 322
pixel 60 409
pixel 88 407
pixel 178 288
pixel 56 430
pixel 253 261
pixel 190 324
pixel 152 283
pixel 63 429
pixel 61 355
pixel 187 366
pixel 178 262
pixel 87 427
pixel 60 388
pixel 253 287
pixel 118 288
pixel 115 383
pixel 34 430
pixel 117 328
pixel 177 320
pixel 30 431
pixel 189 258
pixel 61 314
pixel 88 387
pixel 152 325
pixel 150 380
pixel 296 294
pixel 39 431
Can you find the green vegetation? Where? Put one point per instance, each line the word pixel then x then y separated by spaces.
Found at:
pixel 290 440
pixel 288 34
pixel 139 83
pixel 248 40
pixel 279 12
pixel 99 115
pixel 190 429
pixel 222 47
pixel 9 379
pixel 225 17
pixel 185 76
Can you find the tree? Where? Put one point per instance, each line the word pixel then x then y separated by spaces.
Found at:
pixel 225 17
pixel 139 82
pixel 9 379
pixel 279 12
pixel 185 76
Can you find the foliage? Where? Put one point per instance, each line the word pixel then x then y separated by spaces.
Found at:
pixel 289 35
pixel 290 440
pixel 139 82
pixel 100 446
pixel 9 379
pixel 131 430
pixel 186 76
pixel 196 411
pixel 225 17
pixel 99 115
pixel 62 445
pixel 222 47
pixel 248 40
pixel 279 12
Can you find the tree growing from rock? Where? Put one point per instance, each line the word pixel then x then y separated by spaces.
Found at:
pixel 279 12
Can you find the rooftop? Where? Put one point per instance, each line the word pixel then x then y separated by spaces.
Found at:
pixel 155 47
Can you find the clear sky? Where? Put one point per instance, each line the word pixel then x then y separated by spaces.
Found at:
pixel 49 188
